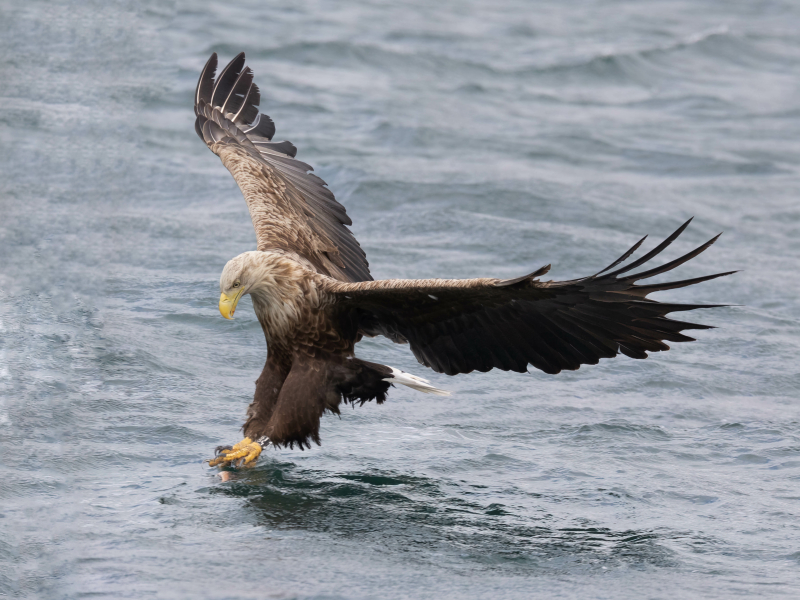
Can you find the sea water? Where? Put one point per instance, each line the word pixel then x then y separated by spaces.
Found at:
pixel 465 139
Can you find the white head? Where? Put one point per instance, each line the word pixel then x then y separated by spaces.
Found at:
pixel 236 280
pixel 271 278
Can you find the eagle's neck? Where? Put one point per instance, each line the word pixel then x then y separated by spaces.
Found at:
pixel 283 293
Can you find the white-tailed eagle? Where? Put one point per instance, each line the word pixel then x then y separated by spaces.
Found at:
pixel 314 297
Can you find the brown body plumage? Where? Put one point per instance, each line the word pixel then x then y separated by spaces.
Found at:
pixel 315 299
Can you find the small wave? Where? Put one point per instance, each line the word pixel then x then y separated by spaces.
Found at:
pixel 581 149
pixel 646 66
pixel 622 428
pixel 751 459
pixel 348 54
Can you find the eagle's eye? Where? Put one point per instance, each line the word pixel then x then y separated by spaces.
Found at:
pixel 236 284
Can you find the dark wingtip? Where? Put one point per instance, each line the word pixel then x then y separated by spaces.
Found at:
pixel 625 256
pixel 205 83
pixel 671 285
pixel 654 252
pixel 674 263
pixel 227 77
pixel 537 273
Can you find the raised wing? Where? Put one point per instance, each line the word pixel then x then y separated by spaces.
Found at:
pixel 291 208
pixel 457 326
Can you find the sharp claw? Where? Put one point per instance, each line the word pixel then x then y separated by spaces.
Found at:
pixel 213 462
pixel 244 453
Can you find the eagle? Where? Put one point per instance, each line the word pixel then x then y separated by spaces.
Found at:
pixel 314 297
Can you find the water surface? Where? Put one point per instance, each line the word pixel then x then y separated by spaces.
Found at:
pixel 465 139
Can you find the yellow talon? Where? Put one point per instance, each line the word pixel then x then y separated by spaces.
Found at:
pixel 246 452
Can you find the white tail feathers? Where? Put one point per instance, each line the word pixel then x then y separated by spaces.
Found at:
pixel 414 382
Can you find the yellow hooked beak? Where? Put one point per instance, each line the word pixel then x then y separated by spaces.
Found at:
pixel 227 305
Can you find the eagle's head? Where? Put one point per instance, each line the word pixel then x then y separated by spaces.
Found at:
pixel 236 281
pixel 271 278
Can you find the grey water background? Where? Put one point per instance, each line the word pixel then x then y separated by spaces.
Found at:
pixel 465 139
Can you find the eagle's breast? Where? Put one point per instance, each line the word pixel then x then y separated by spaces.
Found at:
pixel 291 306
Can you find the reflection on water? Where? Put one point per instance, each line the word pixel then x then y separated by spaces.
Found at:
pixel 416 518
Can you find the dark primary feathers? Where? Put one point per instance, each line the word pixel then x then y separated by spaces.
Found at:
pixel 291 208
pixel 458 326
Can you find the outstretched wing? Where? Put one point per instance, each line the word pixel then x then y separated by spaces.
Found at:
pixel 457 326
pixel 292 209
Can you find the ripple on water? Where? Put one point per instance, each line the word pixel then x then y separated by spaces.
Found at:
pixel 621 429
pixel 417 516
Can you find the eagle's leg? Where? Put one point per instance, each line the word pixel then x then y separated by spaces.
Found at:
pixel 245 453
